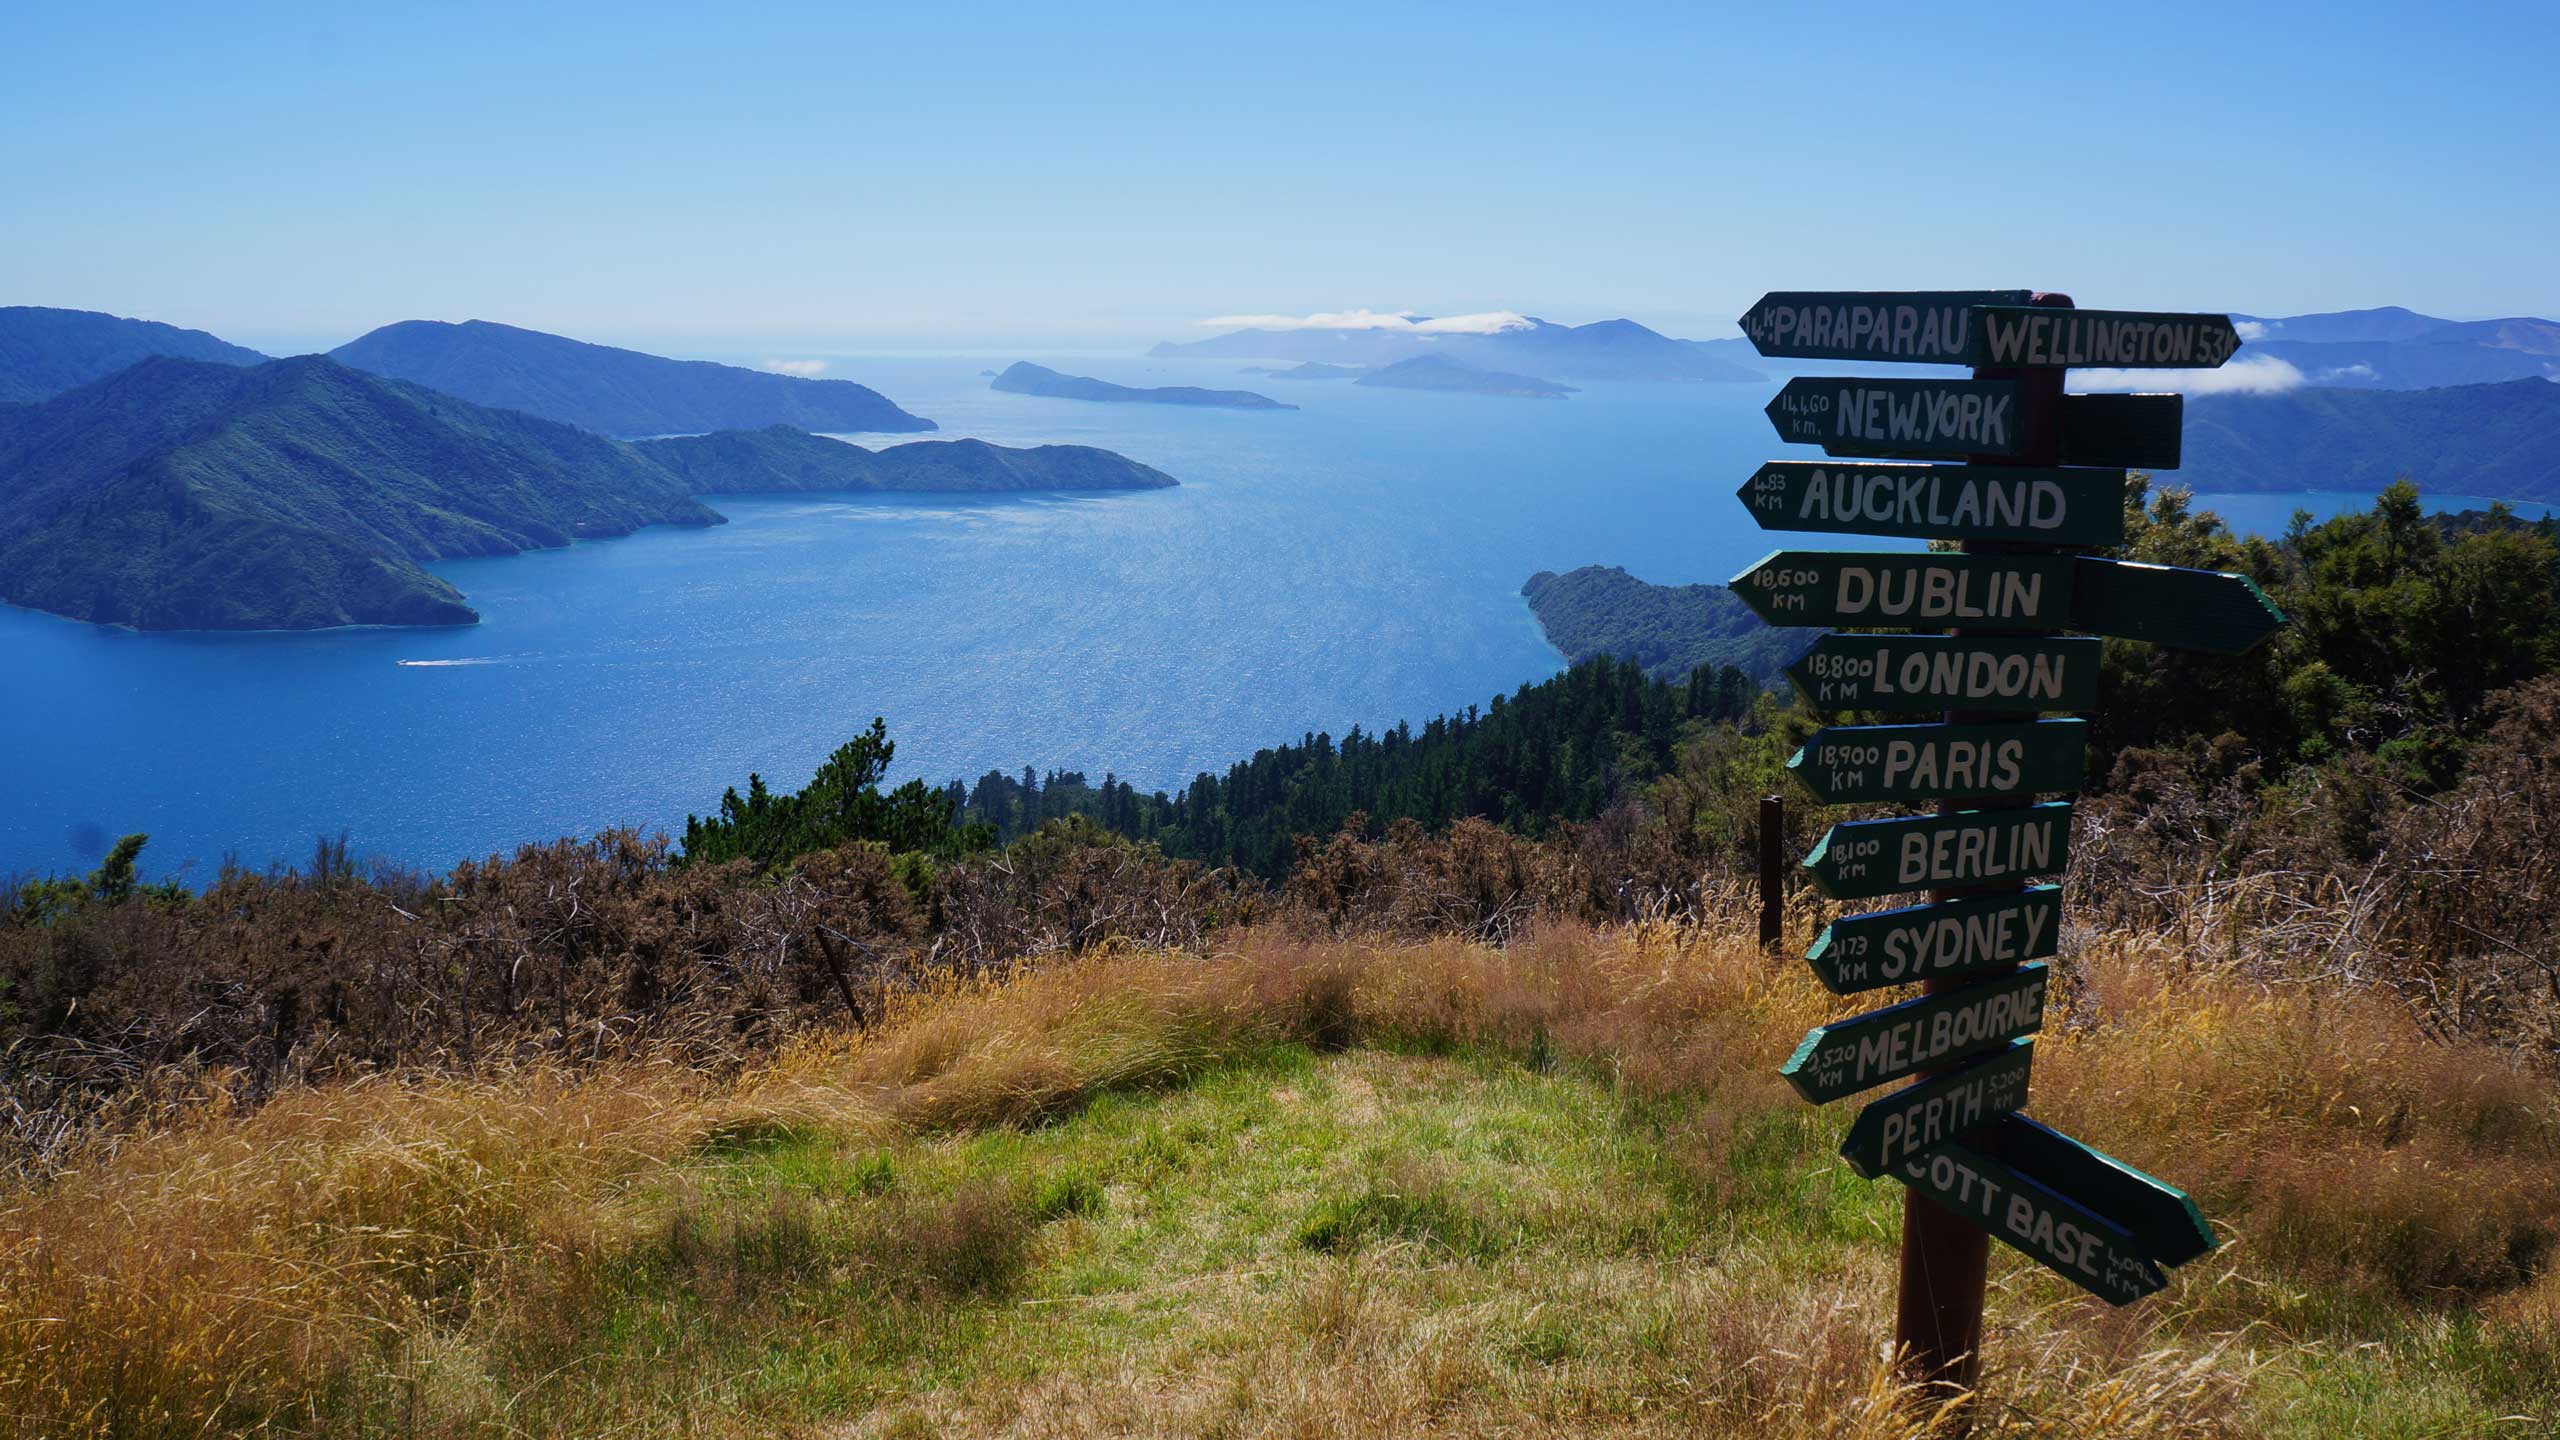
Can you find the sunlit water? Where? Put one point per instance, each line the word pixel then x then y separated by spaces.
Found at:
pixel 1355 562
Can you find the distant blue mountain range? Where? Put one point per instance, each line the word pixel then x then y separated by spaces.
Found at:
pixel 1603 350
pixel 2396 349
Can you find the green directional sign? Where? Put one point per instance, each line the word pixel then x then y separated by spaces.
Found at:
pixel 1916 1119
pixel 2130 432
pixel 1931 326
pixel 1947 672
pixel 1867 858
pixel 1856 764
pixel 1929 942
pixel 2117 339
pixel 2075 1242
pixel 1863 587
pixel 1899 417
pixel 1865 1051
pixel 2159 1216
pixel 2209 610
pixel 1939 502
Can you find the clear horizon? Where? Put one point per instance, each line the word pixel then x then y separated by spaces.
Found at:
pixel 837 182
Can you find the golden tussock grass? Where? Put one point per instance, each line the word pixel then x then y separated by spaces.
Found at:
pixel 260 1270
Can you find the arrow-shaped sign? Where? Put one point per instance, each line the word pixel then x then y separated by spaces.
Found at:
pixel 1939 502
pixel 1899 417
pixel 1931 326
pixel 2075 1242
pixel 1916 1119
pixel 1854 764
pixel 1945 672
pixel 1930 942
pixel 2117 339
pixel 1862 587
pixel 2120 432
pixel 1863 859
pixel 2159 1215
pixel 1865 1051
pixel 2209 610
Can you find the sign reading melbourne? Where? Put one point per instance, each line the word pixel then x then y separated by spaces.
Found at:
pixel 1900 417
pixel 1943 672
pixel 1856 764
pixel 1859 587
pixel 1865 1051
pixel 1939 502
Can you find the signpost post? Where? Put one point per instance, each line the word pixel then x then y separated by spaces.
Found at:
pixel 2040 480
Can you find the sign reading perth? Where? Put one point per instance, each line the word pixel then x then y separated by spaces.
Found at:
pixel 2042 475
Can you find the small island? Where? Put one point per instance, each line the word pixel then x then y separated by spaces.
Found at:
pixel 1670 630
pixel 1311 370
pixel 1025 378
pixel 1438 372
pixel 780 459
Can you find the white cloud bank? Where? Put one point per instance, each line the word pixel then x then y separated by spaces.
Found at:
pixel 805 369
pixel 2249 329
pixel 1490 322
pixel 2248 375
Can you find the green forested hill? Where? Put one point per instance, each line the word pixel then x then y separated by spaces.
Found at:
pixel 44 351
pixel 613 391
pixel 779 458
pixel 292 495
pixel 2498 440
pixel 1669 630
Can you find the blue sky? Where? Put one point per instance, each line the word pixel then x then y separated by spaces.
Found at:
pixel 839 175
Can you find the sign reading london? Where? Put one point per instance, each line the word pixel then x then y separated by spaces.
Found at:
pixel 1945 672
pixel 1939 502
pixel 1900 417
pixel 1859 587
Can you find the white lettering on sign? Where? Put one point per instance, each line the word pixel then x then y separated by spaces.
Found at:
pixel 1876 1054
pixel 1919 332
pixel 2062 337
pixel 1948 942
pixel 1900 497
pixel 1942 672
pixel 1924 417
pixel 1915 1125
pixel 1964 856
pixel 1908 593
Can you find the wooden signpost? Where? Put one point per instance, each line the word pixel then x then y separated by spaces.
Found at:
pixel 2040 480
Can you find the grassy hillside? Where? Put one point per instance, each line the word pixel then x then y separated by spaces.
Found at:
pixel 1294 1188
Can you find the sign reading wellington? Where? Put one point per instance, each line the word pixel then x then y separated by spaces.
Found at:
pixel 2117 339
pixel 1900 417
pixel 1939 502
pixel 1856 587
pixel 1981 327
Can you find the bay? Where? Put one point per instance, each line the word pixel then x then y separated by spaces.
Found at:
pixel 1356 561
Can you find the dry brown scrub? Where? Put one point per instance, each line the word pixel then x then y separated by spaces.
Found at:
pixel 280 1267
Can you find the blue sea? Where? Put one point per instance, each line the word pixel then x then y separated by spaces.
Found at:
pixel 1355 562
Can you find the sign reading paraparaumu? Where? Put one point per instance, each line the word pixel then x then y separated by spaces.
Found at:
pixel 2040 476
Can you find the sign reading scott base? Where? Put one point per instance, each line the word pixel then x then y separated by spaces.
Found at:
pixel 1916 1118
pixel 1945 672
pixel 1930 942
pixel 1856 764
pixel 1939 502
pixel 1899 417
pixel 2160 1217
pixel 2086 1248
pixel 1862 859
pixel 1862 587
pixel 1864 1051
